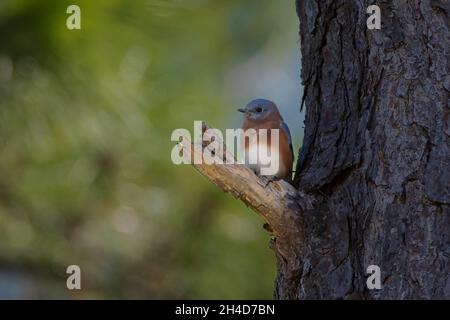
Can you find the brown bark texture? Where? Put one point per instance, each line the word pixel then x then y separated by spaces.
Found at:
pixel 372 183
pixel 376 149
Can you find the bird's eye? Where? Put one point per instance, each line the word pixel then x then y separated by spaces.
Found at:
pixel 259 109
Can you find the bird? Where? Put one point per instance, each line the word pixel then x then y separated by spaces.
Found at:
pixel 264 114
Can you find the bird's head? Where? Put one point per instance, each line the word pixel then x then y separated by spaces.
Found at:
pixel 260 109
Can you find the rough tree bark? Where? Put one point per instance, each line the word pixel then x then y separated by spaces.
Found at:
pixel 373 175
pixel 377 148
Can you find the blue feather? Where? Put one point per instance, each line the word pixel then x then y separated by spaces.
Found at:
pixel 285 128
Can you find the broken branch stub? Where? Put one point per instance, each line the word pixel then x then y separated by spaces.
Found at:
pixel 277 202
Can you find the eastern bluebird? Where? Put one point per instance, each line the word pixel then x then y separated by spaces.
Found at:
pixel 264 114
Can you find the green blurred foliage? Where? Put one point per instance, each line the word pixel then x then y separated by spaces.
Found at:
pixel 85 170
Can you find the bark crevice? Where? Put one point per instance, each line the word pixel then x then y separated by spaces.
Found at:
pixel 371 185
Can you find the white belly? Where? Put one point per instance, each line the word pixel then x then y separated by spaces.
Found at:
pixel 263 159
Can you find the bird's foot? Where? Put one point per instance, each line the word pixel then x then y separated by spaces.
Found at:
pixel 268 180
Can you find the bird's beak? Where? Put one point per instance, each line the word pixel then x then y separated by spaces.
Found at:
pixel 242 110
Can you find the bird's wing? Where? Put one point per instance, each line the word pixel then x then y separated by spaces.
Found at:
pixel 285 128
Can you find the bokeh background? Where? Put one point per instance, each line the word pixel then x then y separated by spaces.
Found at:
pixel 85 123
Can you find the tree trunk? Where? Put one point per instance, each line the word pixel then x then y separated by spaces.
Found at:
pixel 373 176
pixel 376 152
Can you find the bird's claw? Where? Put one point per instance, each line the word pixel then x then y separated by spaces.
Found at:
pixel 268 179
